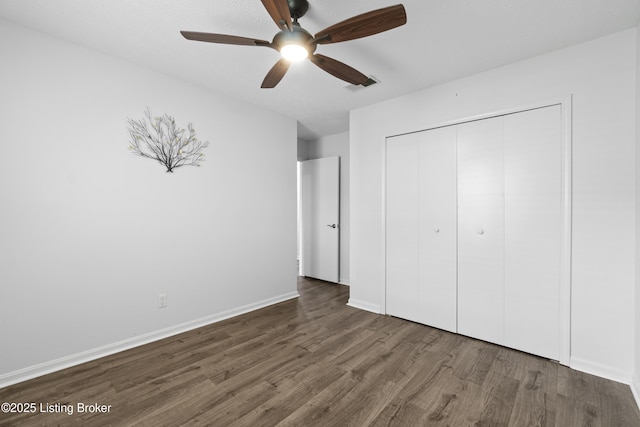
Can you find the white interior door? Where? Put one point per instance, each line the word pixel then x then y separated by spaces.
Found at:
pixel 481 230
pixel 533 230
pixel 320 206
pixel 438 229
pixel 402 223
pixel 421 227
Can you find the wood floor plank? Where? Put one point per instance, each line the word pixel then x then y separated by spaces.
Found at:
pixel 399 413
pixel 203 408
pixel 499 393
pixel 613 399
pixel 356 391
pixel 535 403
pixel 390 382
pixel 451 401
pixel 571 412
pixel 314 361
pixel 577 385
pixel 292 394
pixel 533 407
pixel 474 359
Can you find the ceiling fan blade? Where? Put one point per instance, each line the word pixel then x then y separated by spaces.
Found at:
pixel 275 74
pixel 339 70
pixel 279 11
pixel 364 25
pixel 223 38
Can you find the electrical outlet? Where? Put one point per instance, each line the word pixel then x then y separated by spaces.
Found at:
pixel 162 300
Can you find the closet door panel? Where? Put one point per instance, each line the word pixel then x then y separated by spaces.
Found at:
pixel 481 230
pixel 533 230
pixel 402 222
pixel 438 234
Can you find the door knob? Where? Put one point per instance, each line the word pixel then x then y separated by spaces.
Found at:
pixel 481 232
pixel 331 225
pixel 437 230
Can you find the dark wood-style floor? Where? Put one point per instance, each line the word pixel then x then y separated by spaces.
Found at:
pixel 313 361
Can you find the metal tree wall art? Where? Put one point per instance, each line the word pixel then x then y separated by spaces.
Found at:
pixel 160 139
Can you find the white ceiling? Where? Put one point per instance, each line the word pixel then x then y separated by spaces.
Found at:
pixel 442 40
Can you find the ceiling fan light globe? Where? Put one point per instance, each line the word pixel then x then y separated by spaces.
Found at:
pixel 294 52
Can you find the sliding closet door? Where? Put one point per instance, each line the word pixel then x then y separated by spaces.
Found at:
pixel 402 222
pixel 438 234
pixel 481 229
pixel 533 230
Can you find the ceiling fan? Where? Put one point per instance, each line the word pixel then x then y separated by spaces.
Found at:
pixel 295 43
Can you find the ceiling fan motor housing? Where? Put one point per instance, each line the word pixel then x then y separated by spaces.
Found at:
pixel 298 8
pixel 298 36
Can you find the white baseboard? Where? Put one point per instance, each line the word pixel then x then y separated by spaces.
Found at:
pixel 635 388
pixel 96 353
pixel 362 305
pixel 600 370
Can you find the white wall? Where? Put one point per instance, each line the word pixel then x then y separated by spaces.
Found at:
pixel 601 77
pixel 636 378
pixel 303 150
pixel 329 146
pixel 91 234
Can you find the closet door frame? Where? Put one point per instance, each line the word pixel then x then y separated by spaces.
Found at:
pixel 565 252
